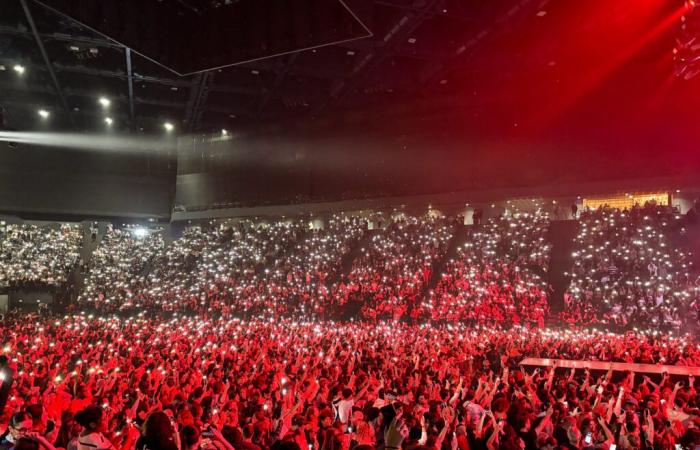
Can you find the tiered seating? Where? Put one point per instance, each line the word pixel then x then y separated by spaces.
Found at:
pixel 498 276
pixel 627 273
pixel 33 255
pixel 389 277
pixel 116 270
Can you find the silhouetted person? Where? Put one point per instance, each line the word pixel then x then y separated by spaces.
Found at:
pixel 7 375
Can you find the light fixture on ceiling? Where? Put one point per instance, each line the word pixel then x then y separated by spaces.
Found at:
pixel 168 126
pixel 105 102
pixel 44 114
pixel 109 121
pixel 19 69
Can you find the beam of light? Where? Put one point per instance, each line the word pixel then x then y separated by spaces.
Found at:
pixel 605 69
pixel 90 142
pixel 140 232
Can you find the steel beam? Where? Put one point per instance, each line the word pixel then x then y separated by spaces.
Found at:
pixel 279 79
pixel 61 37
pixel 384 48
pixel 44 55
pixel 130 82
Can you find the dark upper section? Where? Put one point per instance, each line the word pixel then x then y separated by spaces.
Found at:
pixel 411 55
pixel 189 36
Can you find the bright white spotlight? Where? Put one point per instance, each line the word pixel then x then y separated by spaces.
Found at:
pixel 140 232
pixel 224 132
pixel 168 126
pixel 109 121
pixel 44 114
pixel 19 69
pixel 105 102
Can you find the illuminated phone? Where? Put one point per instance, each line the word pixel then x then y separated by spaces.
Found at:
pixel 589 438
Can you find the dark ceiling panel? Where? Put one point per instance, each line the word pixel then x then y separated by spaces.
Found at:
pixel 190 37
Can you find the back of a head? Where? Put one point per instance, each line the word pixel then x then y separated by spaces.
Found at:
pixel 232 434
pixel 89 416
pixel 248 431
pixel 189 436
pixel 158 431
pixel 17 419
pixel 36 411
pixel 500 405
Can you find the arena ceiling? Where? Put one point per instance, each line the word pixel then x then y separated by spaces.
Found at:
pixel 208 65
pixel 211 64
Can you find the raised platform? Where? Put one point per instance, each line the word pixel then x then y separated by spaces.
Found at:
pixel 616 366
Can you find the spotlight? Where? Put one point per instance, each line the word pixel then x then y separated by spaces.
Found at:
pixel 168 126
pixel 224 132
pixel 19 69
pixel 109 121
pixel 140 233
pixel 44 113
pixel 105 102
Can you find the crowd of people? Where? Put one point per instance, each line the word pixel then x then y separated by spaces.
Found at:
pixel 626 272
pixel 284 267
pixel 388 279
pixel 116 270
pixel 242 268
pixel 285 335
pixel 289 275
pixel 83 382
pixel 498 276
pixel 38 256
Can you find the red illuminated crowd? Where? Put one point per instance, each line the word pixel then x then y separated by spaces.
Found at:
pixel 79 382
pixel 497 276
pixel 389 278
pixel 287 335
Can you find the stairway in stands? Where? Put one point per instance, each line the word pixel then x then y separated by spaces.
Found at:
pixel 561 236
pixel 355 251
pixel 458 239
